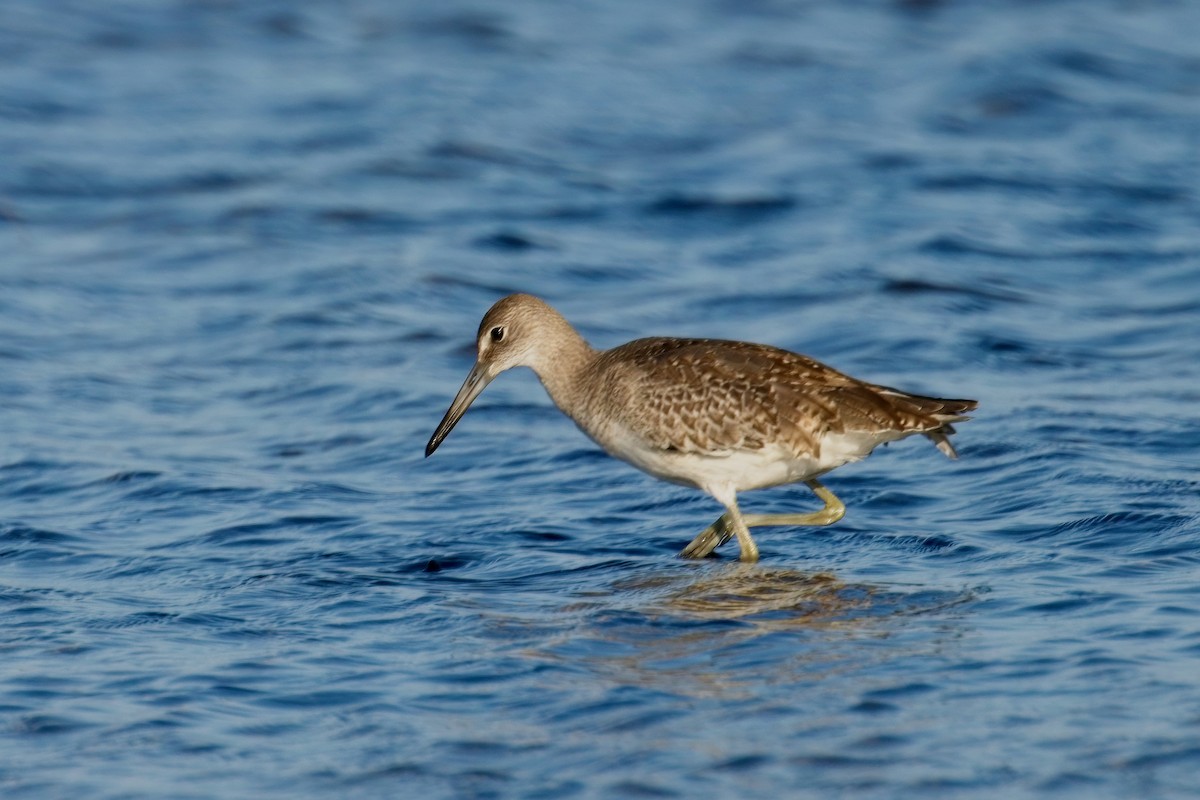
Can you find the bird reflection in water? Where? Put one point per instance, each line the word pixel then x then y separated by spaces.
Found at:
pixel 723 631
pixel 767 598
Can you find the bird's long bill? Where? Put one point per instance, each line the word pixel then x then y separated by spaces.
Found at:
pixel 476 380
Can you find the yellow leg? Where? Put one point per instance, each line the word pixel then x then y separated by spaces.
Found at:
pixel 733 519
pixel 726 526
pixel 834 510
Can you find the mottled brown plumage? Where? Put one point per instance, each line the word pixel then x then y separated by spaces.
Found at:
pixel 722 416
pixel 712 395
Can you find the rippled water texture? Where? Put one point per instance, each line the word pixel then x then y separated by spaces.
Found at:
pixel 245 249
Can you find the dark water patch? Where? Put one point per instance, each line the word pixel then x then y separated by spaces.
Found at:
pixel 1099 658
pixel 1137 634
pixel 745 763
pixel 332 698
pixel 1070 781
pixel 893 693
pixel 332 139
pixel 33 466
pixel 949 245
pixel 1087 602
pixel 1140 193
pixel 78 181
pixel 906 286
pixel 285 25
pixel 37 536
pixel 987 183
pixel 1159 70
pixel 1067 186
pixel 304 448
pixel 831 760
pixel 323 106
pixel 49 725
pixel 1104 224
pixel 363 220
pixel 1028 353
pixel 736 208
pixel 249 535
pixel 509 242
pixel 207 621
pixel 443 562
pixel 31 545
pixel 265 216
pixel 63 484
pixel 628 788
pixel 1086 62
pixel 920 7
pixel 542 536
pixel 476 29
pixel 20 106
pixel 888 161
pixel 481 153
pixel 1012 105
pixel 1170 754
pixel 130 476
pixel 554 213
pixel 414 169
pixel 312 319
pixel 873 706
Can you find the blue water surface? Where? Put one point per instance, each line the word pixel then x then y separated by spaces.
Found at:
pixel 246 246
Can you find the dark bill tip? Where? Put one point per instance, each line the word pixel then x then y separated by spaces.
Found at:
pixel 434 441
pixel 476 380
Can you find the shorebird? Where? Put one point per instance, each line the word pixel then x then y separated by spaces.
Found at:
pixel 720 416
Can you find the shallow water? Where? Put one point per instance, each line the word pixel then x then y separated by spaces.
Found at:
pixel 246 249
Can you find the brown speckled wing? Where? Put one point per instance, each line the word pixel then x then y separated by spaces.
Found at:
pixel 711 396
pixel 705 396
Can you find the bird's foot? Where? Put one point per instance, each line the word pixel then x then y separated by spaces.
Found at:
pixel 725 529
pixel 708 540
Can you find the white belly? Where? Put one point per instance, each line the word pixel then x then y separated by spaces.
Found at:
pixel 741 470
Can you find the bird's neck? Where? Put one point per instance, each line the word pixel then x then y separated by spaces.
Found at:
pixel 562 362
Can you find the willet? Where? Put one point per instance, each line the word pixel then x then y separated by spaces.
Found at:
pixel 720 416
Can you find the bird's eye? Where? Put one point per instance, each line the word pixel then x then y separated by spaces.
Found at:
pixel 498 333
